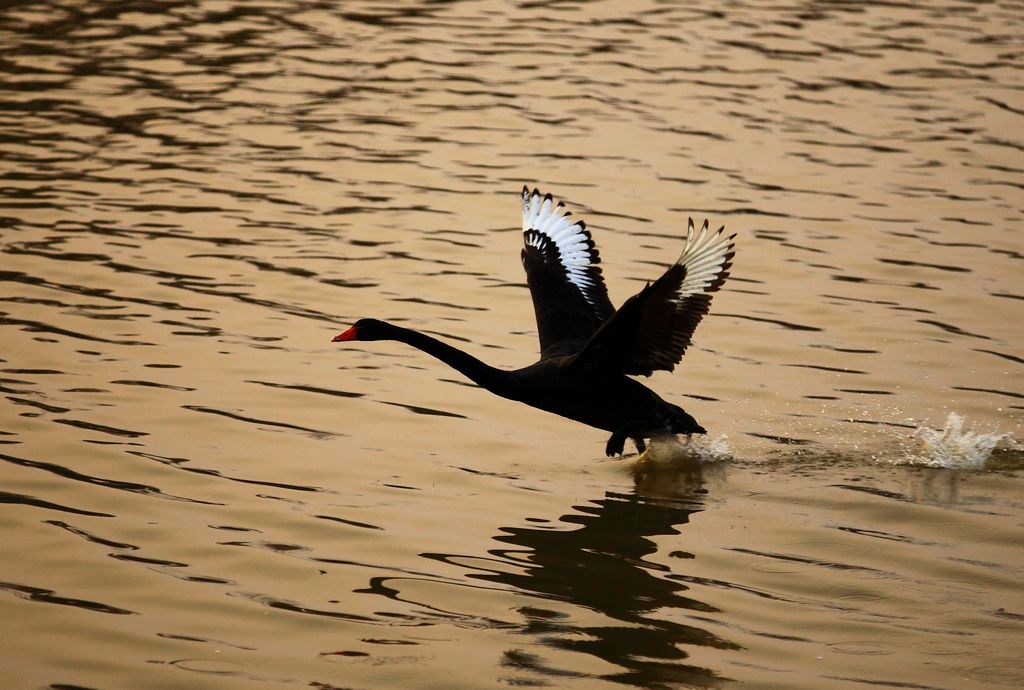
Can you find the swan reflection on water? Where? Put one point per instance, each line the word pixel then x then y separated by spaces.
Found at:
pixel 600 564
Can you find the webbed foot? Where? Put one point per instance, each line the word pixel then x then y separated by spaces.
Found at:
pixel 616 444
pixel 640 445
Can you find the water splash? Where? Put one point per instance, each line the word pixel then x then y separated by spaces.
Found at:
pixel 954 447
pixel 709 449
pixel 669 450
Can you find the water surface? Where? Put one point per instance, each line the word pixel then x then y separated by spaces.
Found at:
pixel 199 490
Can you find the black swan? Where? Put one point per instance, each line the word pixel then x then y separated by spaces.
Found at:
pixel 588 349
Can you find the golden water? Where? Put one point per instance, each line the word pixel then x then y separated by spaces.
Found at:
pixel 200 490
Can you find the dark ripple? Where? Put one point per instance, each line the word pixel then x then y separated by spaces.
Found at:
pixel 259 264
pixel 89 536
pixel 310 389
pixel 184 281
pixel 102 428
pixel 24 499
pixel 148 561
pixel 150 384
pixel 796 558
pixel 104 293
pixel 917 285
pixel 182 464
pixel 955 330
pixel 874 491
pixel 878 534
pixel 120 485
pixel 424 410
pixel 820 367
pixel 881 682
pixel 778 322
pixel 874 422
pixel 204 640
pixel 33 326
pixel 205 287
pixel 195 329
pixel 1003 355
pixel 48 596
pixel 993 391
pixel 784 440
pixel 285 605
pixel 435 303
pixel 345 521
pixel 38 405
pixel 314 433
pixel 920 264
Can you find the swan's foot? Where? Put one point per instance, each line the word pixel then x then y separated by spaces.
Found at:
pixel 616 444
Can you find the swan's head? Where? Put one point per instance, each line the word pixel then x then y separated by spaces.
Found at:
pixel 365 329
pixel 682 422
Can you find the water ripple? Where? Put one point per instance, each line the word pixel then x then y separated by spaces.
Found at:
pixel 48 596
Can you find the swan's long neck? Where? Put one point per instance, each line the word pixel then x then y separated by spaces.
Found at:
pixel 484 375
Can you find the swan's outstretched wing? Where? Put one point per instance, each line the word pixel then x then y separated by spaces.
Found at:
pixel 561 262
pixel 653 328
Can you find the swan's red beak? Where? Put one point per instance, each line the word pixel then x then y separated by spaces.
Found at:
pixel 350 334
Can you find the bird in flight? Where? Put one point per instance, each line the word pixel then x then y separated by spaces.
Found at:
pixel 588 349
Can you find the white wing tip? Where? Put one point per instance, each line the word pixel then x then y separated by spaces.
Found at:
pixel 547 216
pixel 707 257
